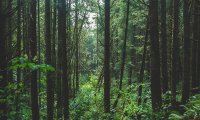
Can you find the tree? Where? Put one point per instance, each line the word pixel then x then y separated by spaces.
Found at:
pixel 33 53
pixel 50 82
pixel 124 46
pixel 107 58
pixel 187 47
pixel 62 35
pixel 77 45
pixel 164 46
pixel 198 52
pixel 141 74
pixel 195 82
pixel 175 50
pixel 123 60
pixel 3 64
pixel 155 56
pixel 59 62
pixel 19 36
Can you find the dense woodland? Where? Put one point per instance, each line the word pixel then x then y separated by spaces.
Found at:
pixel 100 59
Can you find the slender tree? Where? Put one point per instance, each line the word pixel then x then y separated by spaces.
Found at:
pixel 77 45
pixel 141 74
pixel 195 81
pixel 155 56
pixel 59 63
pixel 198 51
pixel 123 60
pixel 54 41
pixel 39 49
pixel 124 46
pixel 107 58
pixel 50 82
pixel 3 80
pixel 9 37
pixel 164 47
pixel 19 36
pixel 62 34
pixel 186 60
pixel 175 50
pixel 33 53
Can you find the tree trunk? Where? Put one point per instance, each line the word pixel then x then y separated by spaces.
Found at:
pixel 39 50
pixel 107 58
pixel 175 51
pixel 62 34
pixel 123 55
pixel 195 81
pixel 77 46
pixel 19 37
pixel 50 82
pixel 141 75
pixel 155 56
pixel 187 47
pixel 33 53
pixel 59 64
pixel 3 65
pixel 164 47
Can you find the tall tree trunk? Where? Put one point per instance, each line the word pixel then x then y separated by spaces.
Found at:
pixel 77 46
pixel 39 50
pixel 9 38
pixel 50 82
pixel 59 64
pixel 33 53
pixel 195 81
pixel 124 47
pixel 18 53
pixel 123 54
pixel 175 51
pixel 198 52
pixel 170 40
pixel 164 47
pixel 62 34
pixel 187 47
pixel 54 38
pixel 107 58
pixel 155 56
pixel 141 75
pixel 3 64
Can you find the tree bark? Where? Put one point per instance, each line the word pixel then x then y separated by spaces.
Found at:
pixel 175 50
pixel 107 58
pixel 155 56
pixel 164 47
pixel 50 82
pixel 33 53
pixel 62 34
pixel 3 64
pixel 187 48
pixel 19 37
pixel 195 81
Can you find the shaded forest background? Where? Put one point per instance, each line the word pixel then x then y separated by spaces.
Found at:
pixel 96 60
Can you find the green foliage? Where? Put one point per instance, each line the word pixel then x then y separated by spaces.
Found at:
pixel 192 110
pixel 88 102
pixel 128 107
pixel 24 63
pixel 174 116
pixel 21 90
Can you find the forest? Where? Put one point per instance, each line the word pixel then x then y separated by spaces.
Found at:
pixel 100 59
